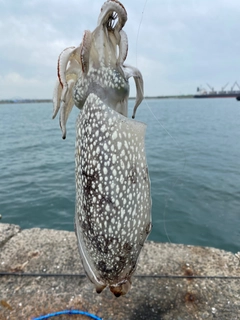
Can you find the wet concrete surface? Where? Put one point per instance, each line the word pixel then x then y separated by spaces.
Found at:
pixel 154 295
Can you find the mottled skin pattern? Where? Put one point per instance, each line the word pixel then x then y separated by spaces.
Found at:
pixel 113 194
pixel 113 202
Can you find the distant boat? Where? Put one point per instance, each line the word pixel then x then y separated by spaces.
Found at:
pixel 203 93
pixel 220 94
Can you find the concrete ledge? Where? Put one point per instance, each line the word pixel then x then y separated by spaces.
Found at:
pixel 7 231
pixel 51 251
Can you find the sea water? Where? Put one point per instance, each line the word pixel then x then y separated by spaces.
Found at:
pixel 193 152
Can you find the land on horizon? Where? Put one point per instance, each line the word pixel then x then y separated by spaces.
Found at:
pixel 6 101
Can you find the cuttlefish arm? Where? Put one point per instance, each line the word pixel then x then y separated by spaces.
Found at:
pixel 123 48
pixel 130 71
pixel 72 63
pixel 85 51
pixel 66 108
pixel 62 65
pixel 82 65
pixel 107 9
pixel 68 70
pixel 56 98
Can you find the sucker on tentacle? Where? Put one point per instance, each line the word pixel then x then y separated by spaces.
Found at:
pixel 113 201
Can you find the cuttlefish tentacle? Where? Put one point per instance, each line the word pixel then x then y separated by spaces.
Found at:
pixel 113 202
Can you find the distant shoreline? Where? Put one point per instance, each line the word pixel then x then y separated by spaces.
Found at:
pixel 10 101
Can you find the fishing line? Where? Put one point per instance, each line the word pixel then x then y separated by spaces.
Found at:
pixel 176 182
pixel 80 275
pixel 140 23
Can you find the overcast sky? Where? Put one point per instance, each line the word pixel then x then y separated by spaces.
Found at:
pixel 181 44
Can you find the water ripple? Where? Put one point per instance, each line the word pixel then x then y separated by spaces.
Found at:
pixel 195 176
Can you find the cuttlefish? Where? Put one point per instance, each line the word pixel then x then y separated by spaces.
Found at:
pixel 113 201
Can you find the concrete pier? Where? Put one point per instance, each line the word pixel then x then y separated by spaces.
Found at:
pixel 152 297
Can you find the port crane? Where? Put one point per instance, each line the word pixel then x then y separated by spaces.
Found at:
pixel 223 88
pixel 235 84
pixel 212 89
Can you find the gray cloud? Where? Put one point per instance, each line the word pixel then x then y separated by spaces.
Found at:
pixel 177 46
